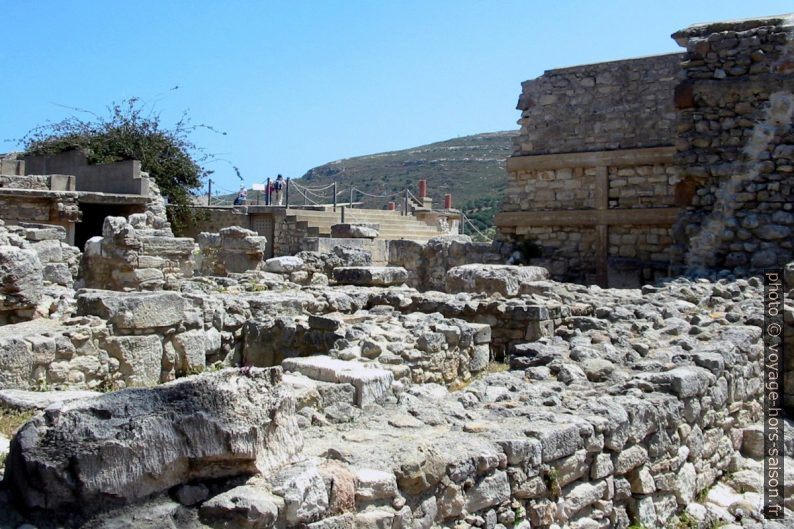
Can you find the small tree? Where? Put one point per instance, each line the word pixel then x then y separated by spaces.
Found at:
pixel 128 131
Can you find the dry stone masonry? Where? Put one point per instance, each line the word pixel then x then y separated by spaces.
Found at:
pixel 632 170
pixel 155 381
pixel 736 144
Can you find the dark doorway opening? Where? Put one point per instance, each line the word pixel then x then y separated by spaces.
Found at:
pixel 94 216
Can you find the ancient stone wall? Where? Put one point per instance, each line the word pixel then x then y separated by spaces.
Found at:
pixel 736 145
pixel 36 266
pixel 212 220
pixel 134 255
pixel 622 104
pixel 581 207
pixel 289 237
pixel 232 250
pixel 43 206
pixel 427 263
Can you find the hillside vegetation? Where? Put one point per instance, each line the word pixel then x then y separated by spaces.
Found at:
pixel 471 168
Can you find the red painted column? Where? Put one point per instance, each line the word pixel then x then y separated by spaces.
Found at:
pixel 447 201
pixel 392 206
pixel 422 188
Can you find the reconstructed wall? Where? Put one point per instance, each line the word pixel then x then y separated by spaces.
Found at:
pixel 427 263
pixel 37 205
pixel 598 107
pixel 736 145
pixel 577 207
pixel 592 171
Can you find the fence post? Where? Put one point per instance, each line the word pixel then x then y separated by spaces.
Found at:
pixel 286 194
pixel 351 196
pixel 267 192
pixel 405 205
pixel 343 215
pixel 335 196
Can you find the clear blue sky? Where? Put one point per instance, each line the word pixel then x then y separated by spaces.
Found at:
pixel 296 83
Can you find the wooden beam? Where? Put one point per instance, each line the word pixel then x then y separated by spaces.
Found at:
pixel 602 255
pixel 601 195
pixel 617 158
pixel 588 217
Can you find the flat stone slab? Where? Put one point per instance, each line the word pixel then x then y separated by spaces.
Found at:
pixel 355 231
pixel 371 276
pixel 284 265
pixel 133 310
pixel 19 399
pixel 371 384
pixel 507 280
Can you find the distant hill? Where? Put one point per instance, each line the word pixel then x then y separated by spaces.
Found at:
pixel 471 168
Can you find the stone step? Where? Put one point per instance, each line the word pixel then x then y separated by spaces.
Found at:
pixel 338 213
pixel 394 225
pixel 372 385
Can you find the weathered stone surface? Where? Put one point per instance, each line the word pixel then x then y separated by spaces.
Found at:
pixel 371 276
pixel 133 310
pixel 304 493
pixel 371 384
pixel 20 278
pixel 284 265
pixel 374 485
pixel 139 357
pixel 354 231
pixel 489 491
pixel 246 507
pixel 19 399
pixel 214 425
pixel 504 279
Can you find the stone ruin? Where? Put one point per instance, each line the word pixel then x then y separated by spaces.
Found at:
pixel 160 381
pixel 630 171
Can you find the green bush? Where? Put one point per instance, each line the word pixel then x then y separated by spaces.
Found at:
pixel 130 131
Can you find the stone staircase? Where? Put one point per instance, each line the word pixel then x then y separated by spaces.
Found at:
pixel 393 225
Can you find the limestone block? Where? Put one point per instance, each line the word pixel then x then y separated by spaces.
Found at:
pixel 284 265
pixel 139 357
pixel 371 384
pixel 504 279
pixel 16 362
pixel 556 440
pixel 57 273
pixel 215 425
pixel 20 278
pixel 374 485
pixel 480 358
pixel 48 251
pixel 192 348
pixel 304 493
pixel 133 310
pixel 19 399
pixel 371 276
pixel 355 231
pixel 246 507
pixel 489 491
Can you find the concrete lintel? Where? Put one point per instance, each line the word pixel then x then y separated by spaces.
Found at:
pixel 37 193
pixel 617 158
pixel 110 198
pixel 589 217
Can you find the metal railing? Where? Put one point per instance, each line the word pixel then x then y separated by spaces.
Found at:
pixel 465 220
pixel 324 196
